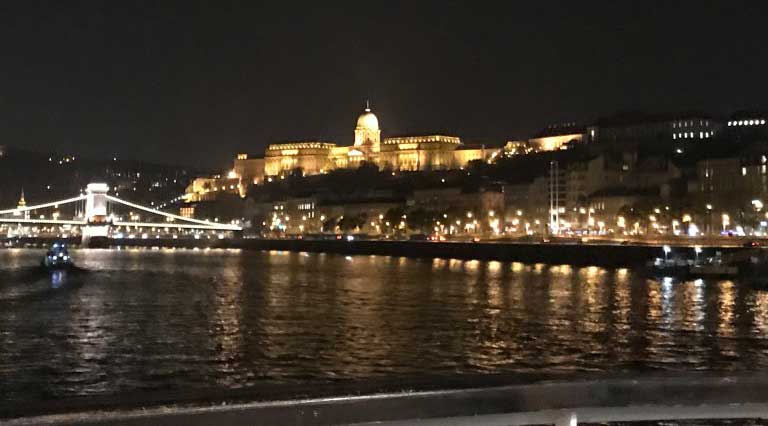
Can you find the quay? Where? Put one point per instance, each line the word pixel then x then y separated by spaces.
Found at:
pixel 607 255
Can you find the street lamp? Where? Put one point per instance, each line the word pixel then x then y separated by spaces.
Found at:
pixel 666 249
pixel 697 250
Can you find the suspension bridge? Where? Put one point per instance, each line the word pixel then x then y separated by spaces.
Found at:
pixel 96 214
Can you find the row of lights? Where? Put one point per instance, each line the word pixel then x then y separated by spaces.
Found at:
pixel 412 139
pixel 63 160
pixel 301 145
pixel 691 123
pixel 686 135
pixel 747 123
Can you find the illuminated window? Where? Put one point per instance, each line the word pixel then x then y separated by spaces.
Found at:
pixel 674 136
pixel 743 171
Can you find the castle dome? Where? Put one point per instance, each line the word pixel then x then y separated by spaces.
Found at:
pixel 367 121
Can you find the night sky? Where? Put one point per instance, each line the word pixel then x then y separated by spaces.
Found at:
pixel 196 82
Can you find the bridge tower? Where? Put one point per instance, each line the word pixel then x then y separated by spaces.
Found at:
pixel 97 223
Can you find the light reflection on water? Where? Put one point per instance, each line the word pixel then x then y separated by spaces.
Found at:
pixel 180 319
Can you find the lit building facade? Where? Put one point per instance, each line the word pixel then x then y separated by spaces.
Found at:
pixel 662 128
pixel 311 157
pixel 250 170
pixel 432 152
pixel 209 188
pixel 747 126
pixel 557 137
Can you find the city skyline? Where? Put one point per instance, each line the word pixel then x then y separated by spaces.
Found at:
pixel 192 85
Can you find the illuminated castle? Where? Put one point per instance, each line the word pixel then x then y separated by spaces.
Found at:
pixel 425 152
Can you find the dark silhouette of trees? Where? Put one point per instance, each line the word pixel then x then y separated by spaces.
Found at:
pixel 352 223
pixel 329 225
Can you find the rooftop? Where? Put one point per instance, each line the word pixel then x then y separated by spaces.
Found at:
pixel 629 118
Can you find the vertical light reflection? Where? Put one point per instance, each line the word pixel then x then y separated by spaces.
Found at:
pixel 692 305
pixel 726 305
pixel 761 312
pixel 227 324
pixel 91 337
pixel 518 267
pixel 438 264
pixel 659 301
pixel 354 326
pixel 494 268
pixel 560 291
pixel 454 265
pixel 472 266
pixel 592 279
pixel 564 270
pixel 666 300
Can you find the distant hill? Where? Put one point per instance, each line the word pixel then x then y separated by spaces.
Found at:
pixel 51 176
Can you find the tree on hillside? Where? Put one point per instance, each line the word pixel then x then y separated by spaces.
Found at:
pixel 352 222
pixel 393 217
pixel 329 225
pixel 420 220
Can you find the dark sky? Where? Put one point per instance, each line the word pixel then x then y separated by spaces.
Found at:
pixel 196 82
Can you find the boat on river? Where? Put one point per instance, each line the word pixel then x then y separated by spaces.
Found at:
pixel 57 257
pixel 717 266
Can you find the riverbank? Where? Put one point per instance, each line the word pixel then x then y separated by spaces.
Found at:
pixel 608 255
pixel 550 253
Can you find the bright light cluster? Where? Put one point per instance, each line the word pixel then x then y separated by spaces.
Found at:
pixel 759 122
pixel 692 135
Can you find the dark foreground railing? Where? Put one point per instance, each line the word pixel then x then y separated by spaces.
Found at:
pixel 561 403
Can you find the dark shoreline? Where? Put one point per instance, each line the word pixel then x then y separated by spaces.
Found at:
pixel 606 255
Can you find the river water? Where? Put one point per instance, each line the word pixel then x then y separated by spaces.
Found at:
pixel 172 320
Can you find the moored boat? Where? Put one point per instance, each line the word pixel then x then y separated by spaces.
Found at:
pixel 716 266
